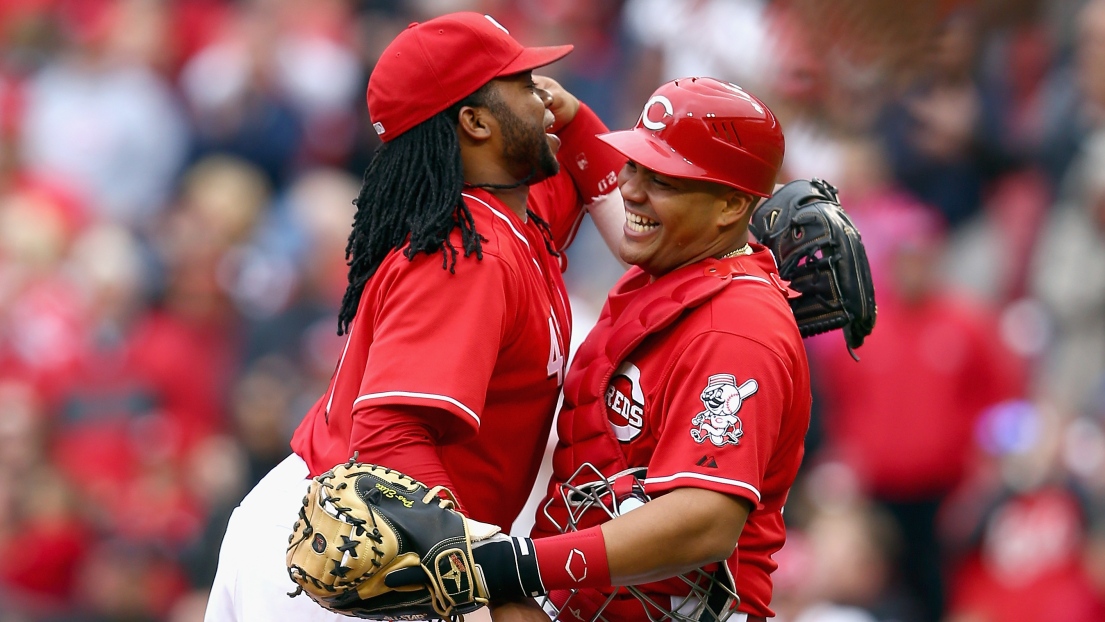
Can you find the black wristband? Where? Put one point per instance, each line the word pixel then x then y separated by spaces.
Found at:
pixel 509 568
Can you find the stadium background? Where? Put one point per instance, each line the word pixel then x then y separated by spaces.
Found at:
pixel 176 180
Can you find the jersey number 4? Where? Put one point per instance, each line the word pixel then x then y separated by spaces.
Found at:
pixel 556 358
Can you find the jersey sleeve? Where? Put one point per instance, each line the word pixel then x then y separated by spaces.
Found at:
pixel 720 417
pixel 588 170
pixel 403 439
pixel 437 338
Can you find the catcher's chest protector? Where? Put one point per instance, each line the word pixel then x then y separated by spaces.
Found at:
pixel 583 429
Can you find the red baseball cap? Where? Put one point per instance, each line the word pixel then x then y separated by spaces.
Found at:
pixel 435 64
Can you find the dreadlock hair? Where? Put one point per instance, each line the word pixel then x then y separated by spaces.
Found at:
pixel 546 232
pixel 542 226
pixel 412 191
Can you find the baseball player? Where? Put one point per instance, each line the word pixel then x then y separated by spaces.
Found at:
pixel 691 396
pixel 456 313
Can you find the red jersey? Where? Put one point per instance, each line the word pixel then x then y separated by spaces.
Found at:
pixel 1030 565
pixel 481 348
pixel 718 399
pixel 904 417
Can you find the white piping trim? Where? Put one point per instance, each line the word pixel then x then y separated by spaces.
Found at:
pixel 752 278
pixel 425 396
pixel 575 228
pixel 505 219
pixel 501 215
pixel 341 361
pixel 708 478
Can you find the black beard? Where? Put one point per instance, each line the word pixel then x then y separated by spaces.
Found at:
pixel 527 146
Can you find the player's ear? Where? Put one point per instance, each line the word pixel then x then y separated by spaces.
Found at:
pixel 475 123
pixel 737 209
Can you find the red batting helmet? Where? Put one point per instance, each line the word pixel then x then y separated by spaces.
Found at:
pixel 702 128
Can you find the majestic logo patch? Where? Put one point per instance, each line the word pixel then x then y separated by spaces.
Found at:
pixel 625 402
pixel 722 399
pixel 707 461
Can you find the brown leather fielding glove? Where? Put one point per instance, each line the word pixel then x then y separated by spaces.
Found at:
pixel 362 523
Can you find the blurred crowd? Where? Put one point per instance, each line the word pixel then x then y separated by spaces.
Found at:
pixel 176 186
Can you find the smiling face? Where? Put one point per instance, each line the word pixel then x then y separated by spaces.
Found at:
pixel 523 115
pixel 672 222
pixel 713 398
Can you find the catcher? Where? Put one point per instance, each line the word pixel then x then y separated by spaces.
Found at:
pixel 702 329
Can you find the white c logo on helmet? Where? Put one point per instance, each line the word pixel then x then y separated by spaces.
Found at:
pixel 668 112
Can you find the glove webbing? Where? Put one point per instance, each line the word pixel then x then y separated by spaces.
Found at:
pixel 358 529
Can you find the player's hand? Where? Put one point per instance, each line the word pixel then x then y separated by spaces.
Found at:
pixel 564 105
pixel 523 611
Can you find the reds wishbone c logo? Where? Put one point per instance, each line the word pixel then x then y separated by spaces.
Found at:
pixel 625 402
pixel 669 111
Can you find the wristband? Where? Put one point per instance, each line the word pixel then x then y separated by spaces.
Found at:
pixel 592 164
pixel 514 568
pixel 509 568
pixel 573 560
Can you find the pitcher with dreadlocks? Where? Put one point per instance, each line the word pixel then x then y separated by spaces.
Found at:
pixel 456 313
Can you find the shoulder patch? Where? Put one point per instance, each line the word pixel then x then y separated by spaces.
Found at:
pixel 722 400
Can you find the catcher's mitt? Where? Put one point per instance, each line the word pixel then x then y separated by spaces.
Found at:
pixel 820 252
pixel 361 523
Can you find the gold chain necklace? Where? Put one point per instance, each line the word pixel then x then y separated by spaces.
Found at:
pixel 744 250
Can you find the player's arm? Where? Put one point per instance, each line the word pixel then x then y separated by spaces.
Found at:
pixel 697 513
pixel 672 534
pixel 437 337
pixel 608 214
pixel 591 165
pixel 406 438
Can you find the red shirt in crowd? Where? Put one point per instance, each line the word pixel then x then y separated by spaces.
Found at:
pixel 904 416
